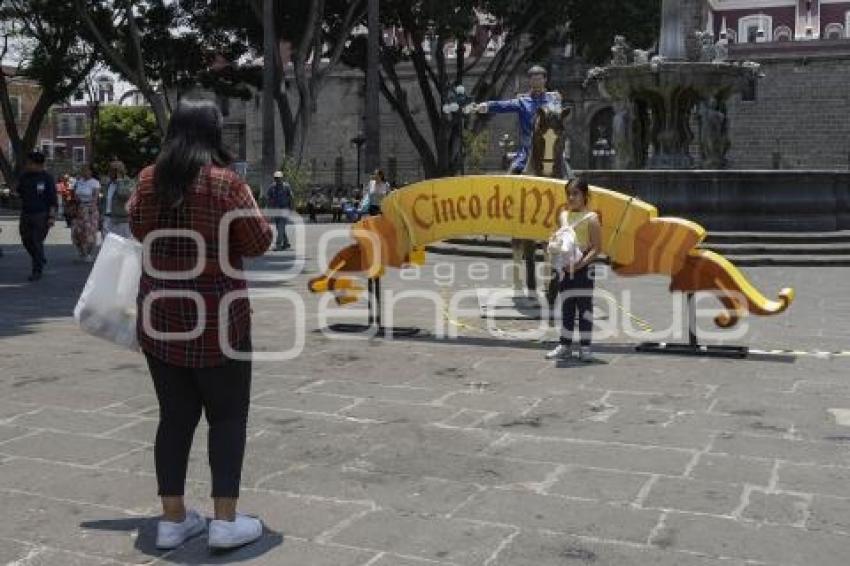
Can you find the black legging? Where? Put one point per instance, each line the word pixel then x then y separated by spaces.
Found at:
pixel 224 394
pixel 576 294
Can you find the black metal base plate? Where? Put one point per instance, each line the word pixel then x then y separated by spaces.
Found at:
pixel 694 350
pixel 383 331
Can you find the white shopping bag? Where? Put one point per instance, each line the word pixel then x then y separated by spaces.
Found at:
pixel 107 305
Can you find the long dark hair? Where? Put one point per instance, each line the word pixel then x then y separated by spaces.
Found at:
pixel 579 184
pixel 193 140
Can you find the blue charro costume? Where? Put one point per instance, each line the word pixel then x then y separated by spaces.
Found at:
pixel 525 106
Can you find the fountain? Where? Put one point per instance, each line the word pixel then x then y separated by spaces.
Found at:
pixel 655 100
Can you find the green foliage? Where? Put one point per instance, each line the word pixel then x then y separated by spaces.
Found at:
pixel 41 38
pixel 129 133
pixel 298 177
pixel 594 23
pixel 476 147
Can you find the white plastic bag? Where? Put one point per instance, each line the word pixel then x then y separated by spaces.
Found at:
pixel 107 305
pixel 563 246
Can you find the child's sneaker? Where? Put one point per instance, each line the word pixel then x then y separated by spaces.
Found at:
pixel 171 535
pixel 561 352
pixel 585 354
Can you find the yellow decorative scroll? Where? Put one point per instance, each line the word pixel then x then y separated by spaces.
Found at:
pixel 636 240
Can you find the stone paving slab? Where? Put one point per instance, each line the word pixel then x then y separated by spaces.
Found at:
pixel 453 540
pixel 474 451
pixel 535 511
pixel 541 548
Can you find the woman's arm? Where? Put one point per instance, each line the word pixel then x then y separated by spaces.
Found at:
pixel 595 232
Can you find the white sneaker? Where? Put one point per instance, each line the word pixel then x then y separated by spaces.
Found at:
pixel 230 534
pixel 171 535
pixel 561 352
pixel 585 355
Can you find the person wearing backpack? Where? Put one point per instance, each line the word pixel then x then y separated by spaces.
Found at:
pixel 116 219
pixel 573 248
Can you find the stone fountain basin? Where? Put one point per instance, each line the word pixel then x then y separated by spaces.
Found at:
pixel 706 79
pixel 742 200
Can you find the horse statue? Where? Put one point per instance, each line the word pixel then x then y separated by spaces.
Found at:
pixel 546 159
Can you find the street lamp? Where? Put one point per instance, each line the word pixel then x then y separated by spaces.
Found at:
pixel 507 144
pixel 458 104
pixel 358 141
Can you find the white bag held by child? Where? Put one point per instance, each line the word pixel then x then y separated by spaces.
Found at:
pixel 563 246
pixel 107 305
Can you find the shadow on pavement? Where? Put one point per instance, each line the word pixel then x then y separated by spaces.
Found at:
pixel 25 303
pixel 598 348
pixel 195 551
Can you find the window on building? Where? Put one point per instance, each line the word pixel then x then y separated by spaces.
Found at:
pixel 392 169
pixel 47 148
pixel 71 125
pixel 234 139
pixel 782 33
pixel 60 151
pixel 79 95
pixel 751 28
pixel 750 91
pixel 223 105
pixel 339 169
pixel 731 36
pixel 15 101
pixel 78 157
pixel 834 31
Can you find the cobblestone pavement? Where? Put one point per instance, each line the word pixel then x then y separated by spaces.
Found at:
pixel 473 451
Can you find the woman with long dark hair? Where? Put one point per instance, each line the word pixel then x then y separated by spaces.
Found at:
pixel 199 358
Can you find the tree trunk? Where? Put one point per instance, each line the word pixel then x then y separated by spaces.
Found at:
pixel 269 46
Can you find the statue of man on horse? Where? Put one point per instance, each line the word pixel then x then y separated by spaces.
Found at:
pixel 540 152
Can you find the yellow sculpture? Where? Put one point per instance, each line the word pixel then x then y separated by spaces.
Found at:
pixel 636 240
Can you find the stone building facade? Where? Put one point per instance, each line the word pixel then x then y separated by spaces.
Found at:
pixel 796 117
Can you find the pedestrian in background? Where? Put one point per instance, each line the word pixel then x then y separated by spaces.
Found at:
pixel 63 190
pixel 191 188
pixel 118 191
pixel 86 223
pixel 279 195
pixel 38 210
pixel 378 189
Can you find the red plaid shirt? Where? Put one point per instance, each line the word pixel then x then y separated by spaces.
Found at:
pixel 216 192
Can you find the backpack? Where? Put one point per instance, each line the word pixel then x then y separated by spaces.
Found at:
pixel 563 246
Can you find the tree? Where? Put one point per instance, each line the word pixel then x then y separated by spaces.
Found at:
pixel 593 25
pixel 129 133
pixel 529 28
pixel 41 36
pixel 313 33
pixel 151 44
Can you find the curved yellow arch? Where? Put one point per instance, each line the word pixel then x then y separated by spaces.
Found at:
pixel 634 237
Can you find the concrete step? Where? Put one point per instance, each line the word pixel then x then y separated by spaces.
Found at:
pixel 769 257
pixel 791 260
pixel 759 248
pixel 715 239
pixel 841 236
